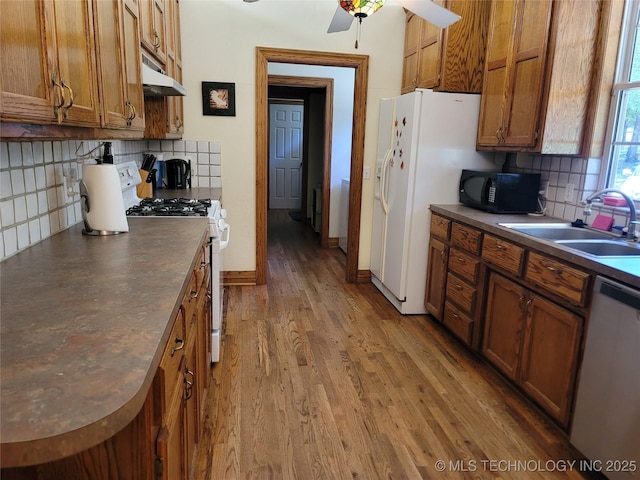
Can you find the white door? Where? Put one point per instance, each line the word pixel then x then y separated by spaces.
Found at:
pixel 285 155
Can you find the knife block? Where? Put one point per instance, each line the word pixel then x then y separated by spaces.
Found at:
pixel 144 189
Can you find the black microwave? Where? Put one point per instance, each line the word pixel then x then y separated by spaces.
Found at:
pixel 498 192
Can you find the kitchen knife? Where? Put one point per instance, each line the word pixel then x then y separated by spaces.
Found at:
pixel 152 175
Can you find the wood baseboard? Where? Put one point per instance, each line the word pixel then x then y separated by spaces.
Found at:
pixel 239 278
pixel 364 276
pixel 249 277
pixel 333 242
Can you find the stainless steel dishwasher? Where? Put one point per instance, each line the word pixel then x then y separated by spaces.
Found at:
pixel 606 423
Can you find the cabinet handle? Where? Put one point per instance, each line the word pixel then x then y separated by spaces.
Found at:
pixel 180 346
pixel 462 260
pixel 499 246
pixel 132 112
pixel 188 392
pixel 458 286
pixel 156 40
pixel 194 294
pixel 57 109
pixel 524 302
pixel 551 268
pixel 455 315
pixel 71 98
pixel 464 232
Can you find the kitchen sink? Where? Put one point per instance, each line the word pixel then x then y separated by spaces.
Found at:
pixel 602 248
pixel 557 231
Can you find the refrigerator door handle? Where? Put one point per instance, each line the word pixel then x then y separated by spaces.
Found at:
pixel 383 180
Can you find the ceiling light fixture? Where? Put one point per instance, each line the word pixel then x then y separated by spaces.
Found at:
pixel 347 10
pixel 360 9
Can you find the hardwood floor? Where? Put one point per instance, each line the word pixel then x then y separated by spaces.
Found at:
pixel 324 379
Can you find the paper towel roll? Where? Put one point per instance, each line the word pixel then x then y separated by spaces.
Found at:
pixel 105 212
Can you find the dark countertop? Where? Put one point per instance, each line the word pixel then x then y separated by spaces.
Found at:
pixel 84 324
pixel 623 269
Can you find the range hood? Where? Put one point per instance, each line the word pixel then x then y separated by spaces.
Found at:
pixel 156 83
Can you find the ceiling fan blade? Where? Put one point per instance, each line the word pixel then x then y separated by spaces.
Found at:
pixel 341 21
pixel 431 12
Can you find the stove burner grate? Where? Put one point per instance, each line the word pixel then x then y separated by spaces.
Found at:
pixel 170 207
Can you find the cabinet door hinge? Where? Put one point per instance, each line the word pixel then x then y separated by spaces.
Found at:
pixel 535 138
pixel 158 466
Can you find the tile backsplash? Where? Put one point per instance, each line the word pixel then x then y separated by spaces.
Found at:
pixel 567 182
pixel 205 159
pixel 38 192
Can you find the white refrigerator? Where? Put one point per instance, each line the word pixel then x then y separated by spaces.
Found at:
pixel 425 139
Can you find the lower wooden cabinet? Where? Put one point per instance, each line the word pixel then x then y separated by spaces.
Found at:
pixel 550 356
pixel 534 342
pixel 161 441
pixel 436 277
pixel 181 417
pixel 504 324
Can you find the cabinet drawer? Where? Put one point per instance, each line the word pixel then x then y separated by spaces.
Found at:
pixel 461 293
pixel 169 376
pixel 202 264
pixel 440 226
pixel 558 278
pixel 466 237
pixel 464 265
pixel 503 254
pixel 190 302
pixel 458 323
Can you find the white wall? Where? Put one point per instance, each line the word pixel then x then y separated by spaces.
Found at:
pixel 219 38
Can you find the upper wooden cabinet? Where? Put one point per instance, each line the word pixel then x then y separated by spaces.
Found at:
pixel 153 34
pixel 71 64
pixel 48 63
pixel 450 59
pixel 164 115
pixel 119 63
pixel 543 75
pixel 174 68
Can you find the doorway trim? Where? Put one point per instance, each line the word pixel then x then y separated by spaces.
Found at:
pixel 304 57
pixel 327 85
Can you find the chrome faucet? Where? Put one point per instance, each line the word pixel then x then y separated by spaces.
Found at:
pixel 633 221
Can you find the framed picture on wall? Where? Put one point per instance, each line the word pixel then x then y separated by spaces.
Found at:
pixel 219 98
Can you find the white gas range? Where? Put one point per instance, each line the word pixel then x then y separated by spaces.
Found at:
pixel 219 230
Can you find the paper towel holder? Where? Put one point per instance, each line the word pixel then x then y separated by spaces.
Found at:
pixel 101 202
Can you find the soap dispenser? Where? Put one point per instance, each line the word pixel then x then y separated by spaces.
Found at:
pixel 107 156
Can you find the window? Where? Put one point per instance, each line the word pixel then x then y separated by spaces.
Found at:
pixel 624 160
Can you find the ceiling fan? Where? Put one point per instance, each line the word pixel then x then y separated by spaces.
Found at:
pixel 347 10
